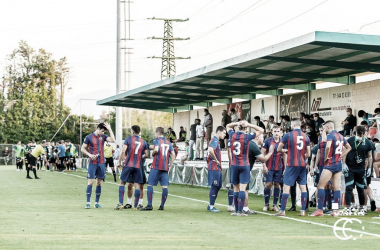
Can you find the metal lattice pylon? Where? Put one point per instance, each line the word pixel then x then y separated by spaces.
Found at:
pixel 168 68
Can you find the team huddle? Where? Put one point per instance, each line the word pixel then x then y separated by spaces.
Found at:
pixel 286 160
pixel 60 157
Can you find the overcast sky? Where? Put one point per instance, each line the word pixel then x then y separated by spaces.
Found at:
pixel 85 32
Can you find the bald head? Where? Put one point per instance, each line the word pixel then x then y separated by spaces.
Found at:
pixel 329 126
pixel 296 122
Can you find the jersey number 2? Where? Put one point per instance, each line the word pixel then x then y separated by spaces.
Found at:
pixel 339 147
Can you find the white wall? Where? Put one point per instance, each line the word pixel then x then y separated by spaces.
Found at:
pixel 365 96
pixel 269 108
pixel 181 119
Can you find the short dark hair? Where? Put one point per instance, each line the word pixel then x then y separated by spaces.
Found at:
pixel 316 114
pixel 375 140
pixel 43 141
pixel 361 113
pixel 67 141
pixel 364 123
pixel 257 118
pixel 160 130
pixel 206 110
pixel 102 126
pixel 303 114
pixel 350 109
pixel 136 129
pixel 377 110
pixel 271 116
pixel 220 129
pixel 360 130
pixel 198 120
pixel 287 118
pixel 232 110
pixel 275 127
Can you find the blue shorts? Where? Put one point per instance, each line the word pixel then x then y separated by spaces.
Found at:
pixel 156 176
pixel 295 174
pixel 335 168
pixel 96 171
pixel 273 176
pixel 135 173
pixel 240 175
pixel 214 178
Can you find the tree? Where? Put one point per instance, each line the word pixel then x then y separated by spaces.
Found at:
pixel 30 108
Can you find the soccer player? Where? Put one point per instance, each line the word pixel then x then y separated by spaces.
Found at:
pixel 18 148
pixel 27 155
pixel 272 169
pixel 36 152
pixel 68 155
pixel 135 149
pixel 214 167
pixel 160 168
pixel 332 167
pixel 240 168
pixel 62 155
pixel 298 150
pixel 231 207
pixel 357 167
pixel 108 151
pixel 96 167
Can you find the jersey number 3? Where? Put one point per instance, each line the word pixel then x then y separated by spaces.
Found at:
pixel 237 146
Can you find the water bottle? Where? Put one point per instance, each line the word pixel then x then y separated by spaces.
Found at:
pixel 350 132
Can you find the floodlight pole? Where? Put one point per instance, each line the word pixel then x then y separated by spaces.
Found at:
pixel 118 128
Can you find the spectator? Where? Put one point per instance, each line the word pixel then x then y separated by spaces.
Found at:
pixel 193 137
pixel 116 155
pixel 234 117
pixel 170 135
pixel 6 155
pixel 302 118
pixel 349 123
pixel 200 141
pixel 207 124
pixel 187 154
pixel 182 134
pixel 318 120
pixel 226 119
pixel 310 121
pixel 259 123
pixel 286 123
pixel 311 134
pixel 377 114
pixel 365 116
pixel 270 123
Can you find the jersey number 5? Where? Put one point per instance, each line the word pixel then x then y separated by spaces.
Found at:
pixel 165 149
pixel 237 146
pixel 299 142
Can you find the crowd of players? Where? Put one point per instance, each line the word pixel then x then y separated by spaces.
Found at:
pixel 286 159
pixel 60 157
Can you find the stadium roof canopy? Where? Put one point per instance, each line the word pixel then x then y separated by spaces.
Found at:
pixel 298 63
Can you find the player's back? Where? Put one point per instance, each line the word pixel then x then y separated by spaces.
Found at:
pixel 136 147
pixel 240 148
pixel 161 159
pixel 337 143
pixel 297 142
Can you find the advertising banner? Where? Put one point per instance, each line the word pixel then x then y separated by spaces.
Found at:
pixel 294 104
pixel 331 103
pixel 246 111
pixel 238 108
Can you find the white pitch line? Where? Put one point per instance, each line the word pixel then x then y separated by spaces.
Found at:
pixel 283 217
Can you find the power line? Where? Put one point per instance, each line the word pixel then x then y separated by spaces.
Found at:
pixel 249 39
pixel 247 10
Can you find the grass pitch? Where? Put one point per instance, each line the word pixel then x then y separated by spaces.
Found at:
pixel 49 214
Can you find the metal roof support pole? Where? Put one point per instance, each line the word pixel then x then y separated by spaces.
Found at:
pixel 351 79
pixel 278 92
pixel 209 104
pixel 191 107
pixel 311 86
pixel 119 115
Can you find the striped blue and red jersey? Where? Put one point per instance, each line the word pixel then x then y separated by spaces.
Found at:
pixel 136 148
pixel 240 147
pixel 161 159
pixel 211 165
pixel 96 146
pixel 322 149
pixel 275 161
pixel 297 143
pixel 175 151
pixel 337 143
pixel 229 151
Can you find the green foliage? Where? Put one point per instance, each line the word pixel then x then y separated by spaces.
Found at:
pixel 30 108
